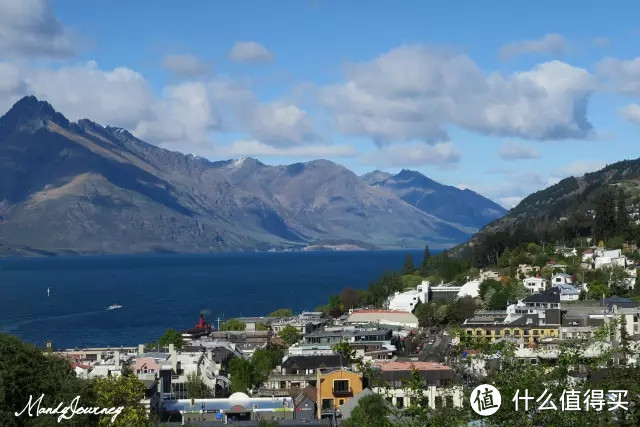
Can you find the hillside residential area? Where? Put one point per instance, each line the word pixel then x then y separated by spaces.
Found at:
pixel 425 347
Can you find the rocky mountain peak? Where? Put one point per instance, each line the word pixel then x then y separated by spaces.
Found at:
pixel 30 114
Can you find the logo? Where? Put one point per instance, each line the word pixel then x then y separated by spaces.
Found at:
pixel 485 399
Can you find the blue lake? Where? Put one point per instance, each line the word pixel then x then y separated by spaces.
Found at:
pixel 163 291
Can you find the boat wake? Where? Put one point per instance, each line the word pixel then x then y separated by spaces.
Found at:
pixel 18 325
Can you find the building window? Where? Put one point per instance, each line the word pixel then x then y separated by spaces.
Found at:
pixel 399 402
pixel 340 386
pixel 327 404
pixel 449 401
pixel 341 401
pixel 438 402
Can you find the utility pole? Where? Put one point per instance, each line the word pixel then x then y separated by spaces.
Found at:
pixel 218 320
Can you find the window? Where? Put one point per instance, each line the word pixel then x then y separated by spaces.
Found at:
pixel 340 386
pixel 449 401
pixel 438 402
pixel 340 402
pixel 400 402
pixel 327 404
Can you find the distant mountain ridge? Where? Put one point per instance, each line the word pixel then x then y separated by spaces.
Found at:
pixel 460 206
pixel 84 188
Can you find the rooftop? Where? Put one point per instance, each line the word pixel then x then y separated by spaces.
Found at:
pixel 408 366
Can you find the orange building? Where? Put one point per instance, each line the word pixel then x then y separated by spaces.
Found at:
pixel 335 387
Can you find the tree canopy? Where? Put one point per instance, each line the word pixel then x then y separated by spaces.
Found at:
pixel 281 312
pixel 290 335
pixel 171 336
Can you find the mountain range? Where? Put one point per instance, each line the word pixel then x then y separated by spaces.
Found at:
pixel 80 187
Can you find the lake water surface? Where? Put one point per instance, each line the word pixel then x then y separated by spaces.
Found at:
pixel 162 291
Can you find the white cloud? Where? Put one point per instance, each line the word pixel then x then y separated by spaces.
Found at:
pixel 631 113
pixel 443 154
pixel 185 65
pixel 118 97
pixel 30 28
pixel 250 51
pixel 281 124
pixel 553 44
pixel 513 150
pixel 252 148
pixel 182 119
pixel 621 76
pixel 415 92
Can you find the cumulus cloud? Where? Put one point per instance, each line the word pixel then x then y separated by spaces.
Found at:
pixel 631 113
pixel 553 44
pixel 185 65
pixel 30 28
pixel 184 116
pixel 415 92
pixel 513 150
pixel 118 97
pixel 443 154
pixel 250 51
pixel 256 148
pixel 621 76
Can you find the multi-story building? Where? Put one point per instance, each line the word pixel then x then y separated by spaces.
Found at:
pixel 335 387
pixel 524 328
pixel 298 372
pixel 535 284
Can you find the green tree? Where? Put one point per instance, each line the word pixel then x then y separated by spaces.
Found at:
pixel 461 309
pixel 605 221
pixel 622 217
pixel 233 325
pixel 425 261
pixel 195 387
pixel 371 411
pixel 25 371
pixel 430 314
pixel 240 374
pixel 597 290
pixel 347 352
pixel 408 268
pixel 505 259
pixel 263 361
pixel 171 336
pixel 125 392
pixel 281 312
pixel 290 335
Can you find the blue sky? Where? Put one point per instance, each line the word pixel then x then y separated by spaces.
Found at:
pixel 501 97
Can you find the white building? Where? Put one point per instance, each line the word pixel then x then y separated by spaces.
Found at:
pixel 527 269
pixel 608 257
pixel 535 284
pixel 568 292
pixel 561 279
pixel 484 275
pixel 407 301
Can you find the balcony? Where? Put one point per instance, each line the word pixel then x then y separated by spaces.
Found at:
pixel 342 391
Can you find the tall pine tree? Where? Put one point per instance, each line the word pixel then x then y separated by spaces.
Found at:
pixel 409 268
pixel 605 224
pixel 622 217
pixel 425 260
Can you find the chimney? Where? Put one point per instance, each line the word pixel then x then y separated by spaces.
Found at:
pixel 140 348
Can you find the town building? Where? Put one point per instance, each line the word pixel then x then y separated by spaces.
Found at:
pixel 527 269
pixel 561 279
pixel 523 328
pixel 335 387
pixel 407 301
pixel 298 372
pixel 237 407
pixel 437 383
pixel 371 342
pixel 535 284
pixel 305 322
pixel 489 274
pixel 392 318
